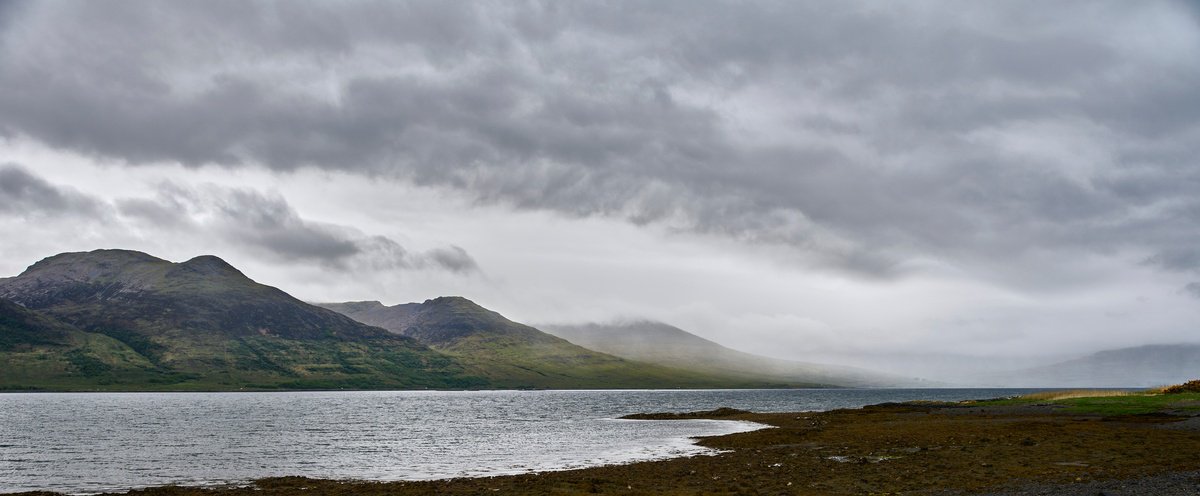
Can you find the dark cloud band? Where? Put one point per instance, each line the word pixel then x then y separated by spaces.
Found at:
pixel 245 218
pixel 24 193
pixel 864 135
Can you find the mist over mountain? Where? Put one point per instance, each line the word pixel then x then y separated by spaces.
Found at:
pixel 510 354
pixel 656 342
pixel 1129 367
pixel 1141 366
pixel 119 319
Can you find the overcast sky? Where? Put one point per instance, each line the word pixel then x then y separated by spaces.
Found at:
pixel 791 178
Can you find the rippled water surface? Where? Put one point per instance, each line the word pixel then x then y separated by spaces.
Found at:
pixel 92 442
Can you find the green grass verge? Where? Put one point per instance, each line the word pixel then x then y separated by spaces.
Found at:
pixel 1134 404
pixel 1106 403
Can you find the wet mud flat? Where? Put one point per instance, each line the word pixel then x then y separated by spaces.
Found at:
pixel 917 449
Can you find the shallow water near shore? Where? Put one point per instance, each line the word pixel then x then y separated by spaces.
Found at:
pixel 93 442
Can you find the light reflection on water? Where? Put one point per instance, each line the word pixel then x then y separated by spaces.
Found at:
pixel 92 442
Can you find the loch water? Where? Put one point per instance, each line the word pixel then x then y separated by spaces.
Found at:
pixel 80 443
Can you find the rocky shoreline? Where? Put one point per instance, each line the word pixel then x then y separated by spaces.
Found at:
pixel 918 449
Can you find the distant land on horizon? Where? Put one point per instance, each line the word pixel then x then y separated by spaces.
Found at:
pixel 1139 366
pixel 664 344
pixel 125 320
pixel 509 354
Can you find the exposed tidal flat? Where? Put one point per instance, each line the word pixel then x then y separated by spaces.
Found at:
pixel 103 442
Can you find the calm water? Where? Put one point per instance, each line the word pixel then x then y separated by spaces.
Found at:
pixel 92 442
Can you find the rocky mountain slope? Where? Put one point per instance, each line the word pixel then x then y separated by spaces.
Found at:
pixel 510 354
pixel 202 324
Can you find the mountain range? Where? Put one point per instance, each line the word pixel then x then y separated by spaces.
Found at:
pixel 117 319
pixel 509 354
pixel 1139 366
pixel 125 320
pixel 663 344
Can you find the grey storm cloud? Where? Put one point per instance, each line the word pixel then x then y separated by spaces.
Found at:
pixel 270 224
pixel 245 217
pixel 1177 260
pixel 453 258
pixel 864 133
pixel 24 193
pixel 1193 288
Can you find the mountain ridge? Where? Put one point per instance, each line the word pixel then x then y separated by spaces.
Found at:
pixel 125 320
pixel 1148 365
pixel 488 343
pixel 657 342
pixel 62 283
pixel 203 324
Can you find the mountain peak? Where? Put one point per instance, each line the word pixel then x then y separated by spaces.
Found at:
pixel 110 254
pixel 105 258
pixel 116 316
pixel 450 300
pixel 114 272
pixel 439 321
pixel 97 265
pixel 204 294
pixel 211 265
pixel 355 306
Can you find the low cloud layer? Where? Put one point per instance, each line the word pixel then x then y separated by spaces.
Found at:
pixel 249 219
pixel 866 136
pixel 24 193
pixel 270 225
pixel 921 175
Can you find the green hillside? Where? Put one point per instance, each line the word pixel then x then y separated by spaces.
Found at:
pixel 125 320
pixel 510 354
pixel 38 352
pixel 115 319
